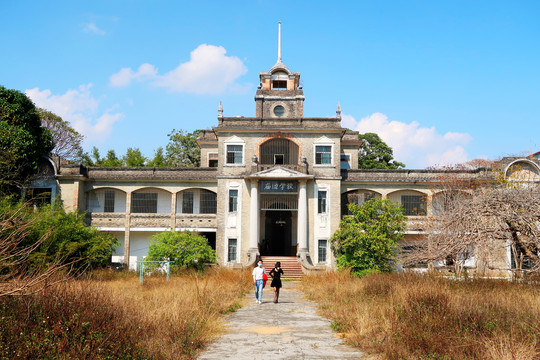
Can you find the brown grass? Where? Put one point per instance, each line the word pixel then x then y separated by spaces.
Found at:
pixel 112 316
pixel 422 317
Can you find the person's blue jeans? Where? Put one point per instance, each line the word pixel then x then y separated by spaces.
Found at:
pixel 258 289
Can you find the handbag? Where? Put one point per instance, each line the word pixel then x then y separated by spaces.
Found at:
pixel 265 279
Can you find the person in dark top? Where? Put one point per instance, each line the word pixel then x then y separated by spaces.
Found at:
pixel 276 273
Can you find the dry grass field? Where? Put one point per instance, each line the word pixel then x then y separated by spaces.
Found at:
pixel 406 316
pixel 112 317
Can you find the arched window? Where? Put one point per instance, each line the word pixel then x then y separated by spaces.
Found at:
pixel 357 197
pixel 279 151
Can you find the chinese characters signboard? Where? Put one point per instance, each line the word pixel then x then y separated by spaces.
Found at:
pixel 279 186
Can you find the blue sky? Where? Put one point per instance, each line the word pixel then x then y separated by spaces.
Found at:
pixel 440 81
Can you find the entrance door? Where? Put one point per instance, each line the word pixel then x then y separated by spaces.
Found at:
pixel 278 233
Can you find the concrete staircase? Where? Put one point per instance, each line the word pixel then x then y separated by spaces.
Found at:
pixel 290 265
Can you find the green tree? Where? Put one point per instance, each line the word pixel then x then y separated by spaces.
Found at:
pixel 67 141
pixel 134 158
pixel 159 159
pixel 22 140
pixel 366 241
pixel 185 248
pixel 68 238
pixel 376 154
pixel 45 238
pixel 183 150
pixel 111 160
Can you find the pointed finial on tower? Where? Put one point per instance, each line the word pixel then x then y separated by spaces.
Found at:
pixel 220 110
pixel 279 43
pixel 338 111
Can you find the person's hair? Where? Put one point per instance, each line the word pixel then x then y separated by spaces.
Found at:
pixel 256 262
pixel 278 264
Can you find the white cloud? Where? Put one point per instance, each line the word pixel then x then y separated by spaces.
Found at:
pixel 93 29
pixel 416 146
pixel 209 71
pixel 126 75
pixel 80 108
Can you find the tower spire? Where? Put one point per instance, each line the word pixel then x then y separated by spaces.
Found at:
pixel 279 43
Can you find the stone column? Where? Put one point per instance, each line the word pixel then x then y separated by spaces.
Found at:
pixel 254 217
pixel 127 227
pixel 302 226
pixel 173 211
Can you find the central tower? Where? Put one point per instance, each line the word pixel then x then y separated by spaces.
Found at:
pixel 279 94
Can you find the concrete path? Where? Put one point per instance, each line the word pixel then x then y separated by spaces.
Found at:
pixel 290 329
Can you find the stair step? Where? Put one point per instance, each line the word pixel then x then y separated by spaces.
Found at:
pixel 291 267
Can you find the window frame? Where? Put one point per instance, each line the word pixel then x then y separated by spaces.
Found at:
pixel 347 160
pixel 106 202
pixel 322 202
pixel 320 258
pixel 323 141
pixel 148 194
pixel 231 254
pixel 233 201
pixel 187 204
pixel 421 209
pixel 208 159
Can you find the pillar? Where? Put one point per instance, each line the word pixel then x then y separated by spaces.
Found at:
pixel 302 226
pixel 127 227
pixel 254 217
pixel 173 211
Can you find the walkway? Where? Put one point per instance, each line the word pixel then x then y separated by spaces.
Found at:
pixel 288 330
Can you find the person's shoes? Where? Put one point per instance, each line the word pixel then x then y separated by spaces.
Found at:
pixel 260 302
pixel 275 301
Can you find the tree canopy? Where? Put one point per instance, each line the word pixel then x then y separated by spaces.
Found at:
pixel 67 141
pixel 22 139
pixel 185 248
pixel 182 149
pixel 374 153
pixel 366 241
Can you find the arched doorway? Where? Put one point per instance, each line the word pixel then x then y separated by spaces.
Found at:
pixel 277 234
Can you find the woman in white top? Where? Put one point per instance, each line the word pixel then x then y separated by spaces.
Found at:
pixel 258 280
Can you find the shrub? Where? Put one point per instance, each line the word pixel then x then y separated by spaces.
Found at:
pixel 366 241
pixel 185 248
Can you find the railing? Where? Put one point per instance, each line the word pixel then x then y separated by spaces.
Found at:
pixel 106 219
pixel 150 220
pixel 196 221
pixel 294 167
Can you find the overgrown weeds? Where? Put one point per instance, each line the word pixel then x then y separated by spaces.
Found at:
pixel 408 316
pixel 116 318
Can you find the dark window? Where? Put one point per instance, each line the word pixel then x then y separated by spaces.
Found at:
pixel 278 159
pixel 187 202
pixel 321 202
pixel 212 159
pixel 345 161
pixel 231 253
pixel 208 202
pixel 234 154
pixel 526 262
pixel 413 205
pixel 279 84
pixel 355 198
pixel 323 154
pixel 145 203
pixel 109 201
pixel 322 251
pixel 233 200
pixel 39 196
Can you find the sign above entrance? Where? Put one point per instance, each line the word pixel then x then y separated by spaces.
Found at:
pixel 279 186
